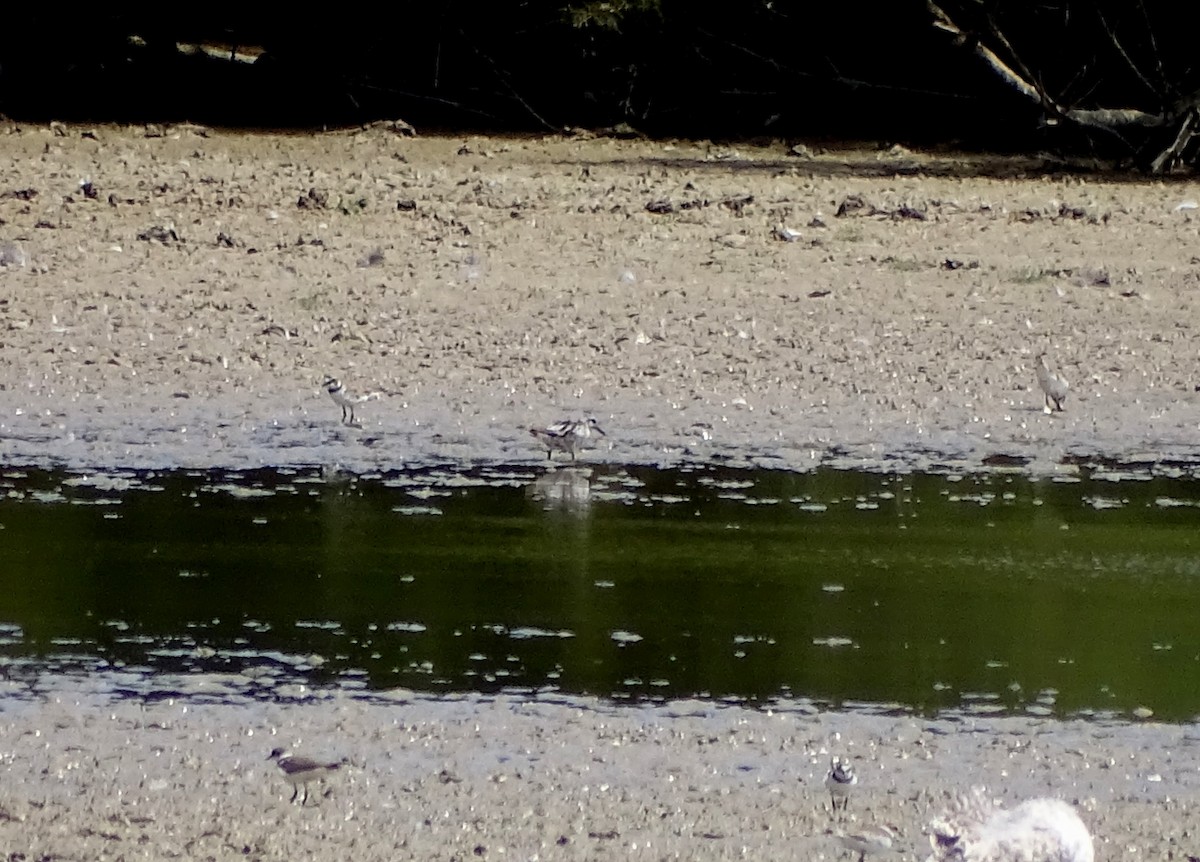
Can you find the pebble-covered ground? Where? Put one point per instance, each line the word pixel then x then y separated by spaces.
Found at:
pixel 175 296
pixel 89 778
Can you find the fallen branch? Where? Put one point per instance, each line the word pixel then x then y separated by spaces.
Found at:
pixel 1105 118
pixel 1180 120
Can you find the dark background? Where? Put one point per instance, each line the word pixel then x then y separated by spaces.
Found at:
pixel 733 70
pixel 695 70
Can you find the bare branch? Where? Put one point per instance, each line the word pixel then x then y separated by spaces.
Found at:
pixel 1158 63
pixel 943 22
pixel 502 77
pixel 1172 155
pixel 1022 69
pixel 1108 119
pixel 1133 67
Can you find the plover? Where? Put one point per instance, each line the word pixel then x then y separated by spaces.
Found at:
pixel 567 434
pixel 343 398
pixel 838 781
pixel 1053 387
pixel 869 841
pixel 299 771
pixel 977 829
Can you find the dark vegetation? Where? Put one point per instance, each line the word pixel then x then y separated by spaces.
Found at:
pixel 1113 78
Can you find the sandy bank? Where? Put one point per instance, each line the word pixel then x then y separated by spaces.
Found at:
pixel 185 313
pixel 466 777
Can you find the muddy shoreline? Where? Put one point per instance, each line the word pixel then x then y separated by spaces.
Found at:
pixel 181 309
pixel 556 778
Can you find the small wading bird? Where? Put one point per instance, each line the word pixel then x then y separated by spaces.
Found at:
pixel 1053 387
pixel 342 397
pixel 838 781
pixel 567 435
pixel 299 771
pixel 977 829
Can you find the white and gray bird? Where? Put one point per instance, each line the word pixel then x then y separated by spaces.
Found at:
pixel 567 435
pixel 978 829
pixel 343 398
pixel 300 771
pixel 838 781
pixel 1055 388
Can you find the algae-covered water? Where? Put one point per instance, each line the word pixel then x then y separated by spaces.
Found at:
pixel 922 593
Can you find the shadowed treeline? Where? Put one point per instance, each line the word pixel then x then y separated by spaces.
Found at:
pixel 682 69
pixel 1114 78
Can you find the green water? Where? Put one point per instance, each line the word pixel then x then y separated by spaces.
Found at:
pixel 924 593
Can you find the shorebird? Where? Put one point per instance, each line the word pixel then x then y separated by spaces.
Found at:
pixel 1053 387
pixel 344 399
pixel 870 841
pixel 566 435
pixel 977 829
pixel 299 771
pixel 838 781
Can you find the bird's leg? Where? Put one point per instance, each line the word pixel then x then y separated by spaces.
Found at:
pixel 295 792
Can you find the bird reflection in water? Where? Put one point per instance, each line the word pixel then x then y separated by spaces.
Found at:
pixel 566 489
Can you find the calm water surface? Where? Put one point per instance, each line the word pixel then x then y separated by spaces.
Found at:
pixel 923 593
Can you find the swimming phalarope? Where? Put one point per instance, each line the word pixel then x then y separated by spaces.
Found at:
pixel 977 829
pixel 838 781
pixel 1054 387
pixel 344 399
pixel 299 771
pixel 567 434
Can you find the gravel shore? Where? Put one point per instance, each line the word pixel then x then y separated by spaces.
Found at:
pixel 183 305
pixel 88 777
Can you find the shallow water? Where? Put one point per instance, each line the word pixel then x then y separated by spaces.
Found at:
pixel 933 594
